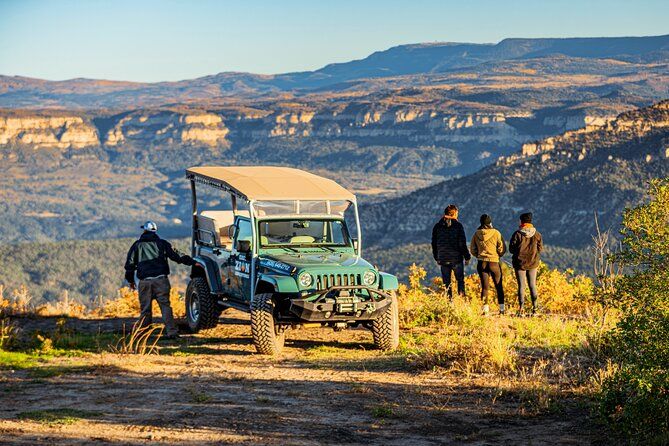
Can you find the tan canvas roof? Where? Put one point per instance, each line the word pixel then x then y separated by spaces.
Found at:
pixel 271 183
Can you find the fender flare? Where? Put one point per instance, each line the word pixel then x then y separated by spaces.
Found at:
pixel 210 269
pixel 387 281
pixel 281 284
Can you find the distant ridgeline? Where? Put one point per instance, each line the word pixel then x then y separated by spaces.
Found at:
pixel 403 66
pixel 565 181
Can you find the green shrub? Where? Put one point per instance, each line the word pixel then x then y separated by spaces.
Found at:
pixel 636 402
pixel 635 397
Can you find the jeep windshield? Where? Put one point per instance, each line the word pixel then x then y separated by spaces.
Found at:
pixel 303 232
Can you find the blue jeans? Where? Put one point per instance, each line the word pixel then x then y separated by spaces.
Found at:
pixel 527 278
pixel 459 270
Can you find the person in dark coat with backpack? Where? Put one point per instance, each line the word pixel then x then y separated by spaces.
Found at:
pixel 148 259
pixel 526 245
pixel 449 248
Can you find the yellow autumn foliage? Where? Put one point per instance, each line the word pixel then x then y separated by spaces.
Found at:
pixel 456 335
pixel 126 304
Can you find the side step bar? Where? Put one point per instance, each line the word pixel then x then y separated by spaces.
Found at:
pixel 232 304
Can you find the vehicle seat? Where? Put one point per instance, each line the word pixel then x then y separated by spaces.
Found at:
pixel 302 239
pixel 219 223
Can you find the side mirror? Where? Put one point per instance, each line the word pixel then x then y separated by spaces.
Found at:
pixel 232 229
pixel 244 246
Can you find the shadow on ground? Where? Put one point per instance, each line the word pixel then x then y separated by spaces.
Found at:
pixel 289 411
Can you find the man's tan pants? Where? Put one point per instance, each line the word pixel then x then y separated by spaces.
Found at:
pixel 158 289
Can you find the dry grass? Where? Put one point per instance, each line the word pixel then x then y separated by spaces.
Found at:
pixel 456 335
pixel 18 302
pixel 198 396
pixel 560 293
pixel 139 341
pixel 126 304
pixel 64 306
pixel 7 334
pixel 55 417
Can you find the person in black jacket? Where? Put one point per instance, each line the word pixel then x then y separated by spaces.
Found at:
pixel 449 248
pixel 148 259
pixel 526 245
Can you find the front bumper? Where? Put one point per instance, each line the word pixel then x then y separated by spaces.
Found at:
pixel 339 303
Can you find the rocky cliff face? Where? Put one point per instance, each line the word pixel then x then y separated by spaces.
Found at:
pixel 635 124
pixel 564 180
pixel 167 128
pixel 418 125
pixel 403 125
pixel 147 128
pixel 576 121
pixel 61 132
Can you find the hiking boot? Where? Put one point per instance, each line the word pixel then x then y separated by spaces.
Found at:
pixel 486 310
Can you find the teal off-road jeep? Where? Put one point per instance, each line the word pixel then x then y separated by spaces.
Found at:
pixel 284 253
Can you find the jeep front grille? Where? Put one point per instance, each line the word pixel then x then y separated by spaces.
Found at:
pixel 324 281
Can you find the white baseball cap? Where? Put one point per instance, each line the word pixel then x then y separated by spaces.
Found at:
pixel 149 226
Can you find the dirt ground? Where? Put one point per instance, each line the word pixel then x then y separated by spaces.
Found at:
pixel 327 388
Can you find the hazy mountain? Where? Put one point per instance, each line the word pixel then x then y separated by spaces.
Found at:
pixel 416 64
pixel 442 57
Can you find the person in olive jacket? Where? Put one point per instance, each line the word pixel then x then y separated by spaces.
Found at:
pixel 525 246
pixel 449 248
pixel 488 246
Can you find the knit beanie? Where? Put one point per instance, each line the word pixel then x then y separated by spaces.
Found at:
pixel 526 217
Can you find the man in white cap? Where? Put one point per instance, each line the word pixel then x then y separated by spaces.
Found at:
pixel 148 258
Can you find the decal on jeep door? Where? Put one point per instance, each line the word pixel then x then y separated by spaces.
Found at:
pixel 242 269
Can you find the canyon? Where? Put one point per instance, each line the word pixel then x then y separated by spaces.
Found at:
pixel 87 159
pixel 220 128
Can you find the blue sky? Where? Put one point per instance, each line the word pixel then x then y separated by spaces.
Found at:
pixel 171 40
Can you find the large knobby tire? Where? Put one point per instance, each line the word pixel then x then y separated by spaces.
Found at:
pixel 385 328
pixel 202 311
pixel 267 337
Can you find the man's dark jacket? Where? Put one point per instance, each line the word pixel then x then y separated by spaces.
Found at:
pixel 148 256
pixel 449 243
pixel 526 244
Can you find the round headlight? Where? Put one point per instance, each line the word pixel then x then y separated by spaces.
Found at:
pixel 369 278
pixel 305 279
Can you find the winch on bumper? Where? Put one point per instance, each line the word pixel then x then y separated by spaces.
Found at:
pixel 339 303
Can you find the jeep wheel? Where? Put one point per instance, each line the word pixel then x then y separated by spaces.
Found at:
pixel 268 338
pixel 385 328
pixel 202 311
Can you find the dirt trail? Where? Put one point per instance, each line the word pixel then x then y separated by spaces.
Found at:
pixel 327 388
